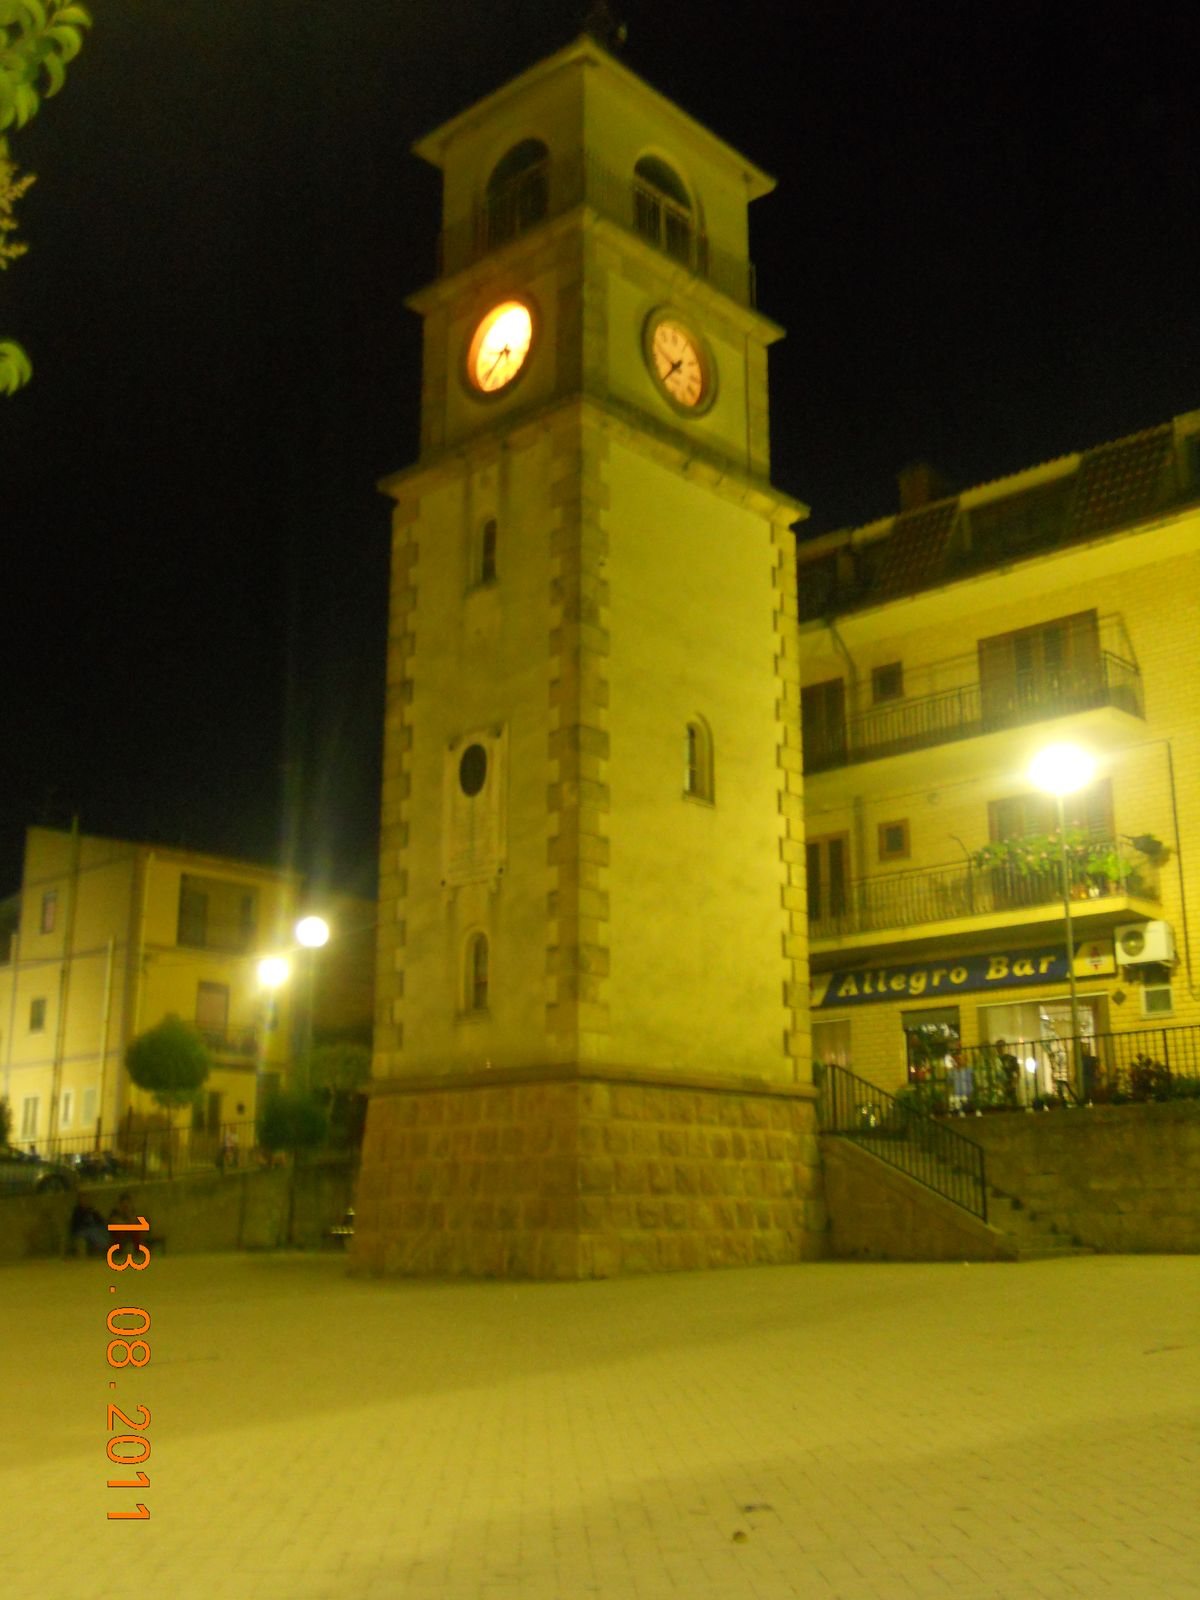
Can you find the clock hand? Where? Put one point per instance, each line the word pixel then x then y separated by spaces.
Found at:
pixel 503 356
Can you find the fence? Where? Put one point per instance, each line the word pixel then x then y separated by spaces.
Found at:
pixel 1113 1068
pixel 152 1152
pixel 899 1133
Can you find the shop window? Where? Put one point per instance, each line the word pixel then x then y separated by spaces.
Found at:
pixel 698 761
pixel 887 682
pixel 831 1043
pixel 893 841
pixel 931 1039
pixel 37 1015
pixel 49 910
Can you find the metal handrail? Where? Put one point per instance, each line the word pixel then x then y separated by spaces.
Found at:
pixel 910 896
pixel 921 721
pixel 938 1157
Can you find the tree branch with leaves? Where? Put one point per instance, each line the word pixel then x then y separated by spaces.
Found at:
pixel 37 40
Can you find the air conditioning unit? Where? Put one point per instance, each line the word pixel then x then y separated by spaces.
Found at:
pixel 1138 942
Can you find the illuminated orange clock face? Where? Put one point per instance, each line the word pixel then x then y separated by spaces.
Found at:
pixel 499 346
pixel 677 361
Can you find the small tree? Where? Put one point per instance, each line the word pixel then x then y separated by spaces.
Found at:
pixel 170 1061
pixel 337 1074
pixel 292 1121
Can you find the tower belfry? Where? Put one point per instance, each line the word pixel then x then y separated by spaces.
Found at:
pixel 591 1049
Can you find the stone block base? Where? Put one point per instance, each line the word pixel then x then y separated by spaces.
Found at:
pixel 585 1173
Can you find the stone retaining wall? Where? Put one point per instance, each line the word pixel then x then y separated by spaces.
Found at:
pixel 1118 1178
pixel 582 1177
pixel 207 1212
pixel 877 1213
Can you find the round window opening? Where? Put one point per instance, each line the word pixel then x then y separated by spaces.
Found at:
pixel 472 769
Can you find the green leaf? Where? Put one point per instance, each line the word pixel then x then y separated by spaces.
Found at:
pixel 16 369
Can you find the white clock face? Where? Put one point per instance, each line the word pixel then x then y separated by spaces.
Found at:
pixel 500 346
pixel 678 364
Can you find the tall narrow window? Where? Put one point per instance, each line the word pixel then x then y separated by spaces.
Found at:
pixel 49 910
pixel 88 1113
pixel 66 1108
pixel 37 1015
pixel 826 862
pixel 477 973
pixel 29 1116
pixel 823 724
pixel 518 191
pixel 487 552
pixel 662 208
pixel 697 761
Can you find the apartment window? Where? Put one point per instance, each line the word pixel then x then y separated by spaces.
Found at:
pixel 826 862
pixel 487 552
pixel 887 682
pixel 37 1015
pixel 518 191
pixel 29 1117
pixel 476 973
pixel 217 914
pixel 193 915
pixel 1158 998
pixel 87 1115
pixel 1044 670
pixel 1019 815
pixel 823 723
pixel 697 761
pixel 893 840
pixel 66 1109
pixel 49 910
pixel 212 1007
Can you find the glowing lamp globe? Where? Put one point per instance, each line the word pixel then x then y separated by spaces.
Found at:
pixel 1062 769
pixel 312 932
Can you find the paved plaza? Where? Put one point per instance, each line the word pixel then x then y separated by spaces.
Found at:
pixel 994 1432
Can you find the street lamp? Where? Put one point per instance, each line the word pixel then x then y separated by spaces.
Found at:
pixel 312 933
pixel 1060 770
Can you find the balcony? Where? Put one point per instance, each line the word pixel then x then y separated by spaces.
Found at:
pixel 232 1045
pixel 976 707
pixel 553 187
pixel 903 907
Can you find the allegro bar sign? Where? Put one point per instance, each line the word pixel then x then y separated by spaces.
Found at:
pixel 997 969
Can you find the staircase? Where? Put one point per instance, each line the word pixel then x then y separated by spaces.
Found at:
pixel 935 1158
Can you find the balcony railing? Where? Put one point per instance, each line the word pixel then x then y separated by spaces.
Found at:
pixel 905 899
pixel 973 708
pixel 552 187
pixel 241 1043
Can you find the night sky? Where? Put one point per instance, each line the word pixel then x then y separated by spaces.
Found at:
pixel 984 246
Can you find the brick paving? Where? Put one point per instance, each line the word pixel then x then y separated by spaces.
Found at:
pixel 851 1431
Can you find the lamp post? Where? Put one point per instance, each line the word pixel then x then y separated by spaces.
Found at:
pixel 1060 770
pixel 312 933
pixel 273 973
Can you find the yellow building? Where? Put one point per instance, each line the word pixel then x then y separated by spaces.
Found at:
pixel 106 938
pixel 942 648
pixel 592 943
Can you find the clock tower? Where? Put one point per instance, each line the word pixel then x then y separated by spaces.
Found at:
pixel 591 1046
